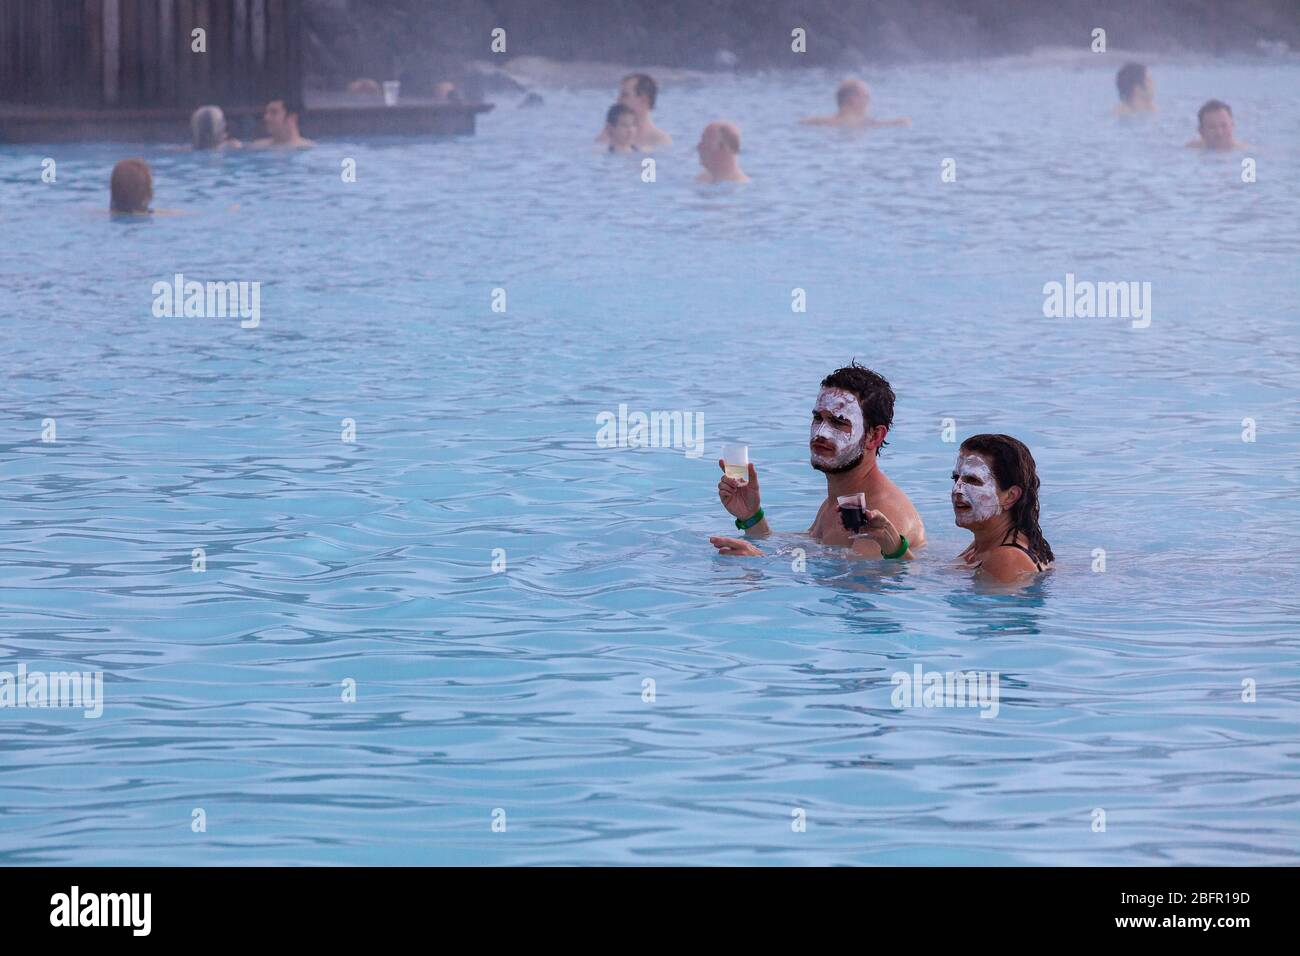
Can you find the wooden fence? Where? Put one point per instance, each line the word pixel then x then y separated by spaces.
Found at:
pixel 106 54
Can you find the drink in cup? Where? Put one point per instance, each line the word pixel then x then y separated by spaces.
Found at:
pixel 853 511
pixel 735 461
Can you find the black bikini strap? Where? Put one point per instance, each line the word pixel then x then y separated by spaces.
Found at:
pixel 1020 547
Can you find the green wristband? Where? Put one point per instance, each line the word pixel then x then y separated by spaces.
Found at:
pixel 902 550
pixel 750 521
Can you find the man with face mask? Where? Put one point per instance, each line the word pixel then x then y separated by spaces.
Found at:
pixel 850 420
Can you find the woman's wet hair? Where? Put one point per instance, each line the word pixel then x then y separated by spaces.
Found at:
pixel 1129 78
pixel 1012 465
pixel 131 186
pixel 208 127
pixel 873 392
pixel 614 112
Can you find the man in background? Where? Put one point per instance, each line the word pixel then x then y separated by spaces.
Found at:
pixel 719 149
pixel 281 120
pixel 1137 93
pixel 639 92
pixel 1217 128
pixel 853 101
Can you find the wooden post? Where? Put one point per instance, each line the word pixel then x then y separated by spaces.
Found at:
pixel 112 41
pixel 94 79
pixel 184 87
pixel 167 50
pixel 241 86
pixel 200 62
pixel 259 31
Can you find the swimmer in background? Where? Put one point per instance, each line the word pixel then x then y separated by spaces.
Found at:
pixel 1217 128
pixel 445 93
pixel 131 188
pixel 620 125
pixel 718 148
pixel 281 119
pixel 639 92
pixel 850 421
pixel 1137 92
pixel 208 129
pixel 366 87
pixel 994 497
pixel 853 100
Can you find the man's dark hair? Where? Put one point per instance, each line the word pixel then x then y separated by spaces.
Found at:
pixel 873 392
pixel 645 86
pixel 1209 107
pixel 1129 78
pixel 615 111
pixel 292 104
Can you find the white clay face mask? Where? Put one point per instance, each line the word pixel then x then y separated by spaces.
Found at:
pixel 837 403
pixel 975 486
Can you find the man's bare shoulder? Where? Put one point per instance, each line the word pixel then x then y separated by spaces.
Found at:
pixel 817 518
pixel 300 143
pixel 898 506
pixel 910 522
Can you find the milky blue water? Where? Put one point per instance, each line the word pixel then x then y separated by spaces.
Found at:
pixel 521 690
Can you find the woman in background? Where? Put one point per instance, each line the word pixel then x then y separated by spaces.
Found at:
pixel 208 129
pixel 620 127
pixel 131 188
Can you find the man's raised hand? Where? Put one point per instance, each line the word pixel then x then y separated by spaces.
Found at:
pixel 739 498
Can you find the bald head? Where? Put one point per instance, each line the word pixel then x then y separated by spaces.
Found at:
pixel 725 133
pixel 718 148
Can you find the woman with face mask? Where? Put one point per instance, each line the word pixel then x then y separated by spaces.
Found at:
pixel 995 497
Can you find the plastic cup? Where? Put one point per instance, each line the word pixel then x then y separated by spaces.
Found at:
pixel 392 89
pixel 853 509
pixel 735 459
